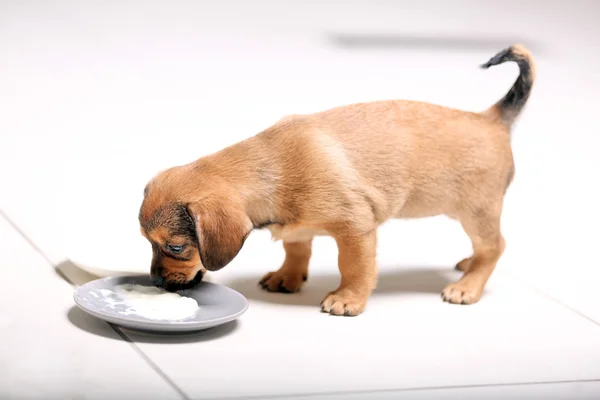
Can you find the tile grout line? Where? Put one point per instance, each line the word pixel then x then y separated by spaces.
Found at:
pixel 552 298
pixel 150 362
pixel 24 236
pixel 117 330
pixel 405 390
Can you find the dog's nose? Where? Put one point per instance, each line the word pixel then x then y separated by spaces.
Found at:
pixel 158 281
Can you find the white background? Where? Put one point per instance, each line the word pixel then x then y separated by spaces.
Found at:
pixel 96 97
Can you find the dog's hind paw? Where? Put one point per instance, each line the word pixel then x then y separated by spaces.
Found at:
pixel 461 293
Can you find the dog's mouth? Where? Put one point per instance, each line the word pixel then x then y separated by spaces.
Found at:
pixel 175 286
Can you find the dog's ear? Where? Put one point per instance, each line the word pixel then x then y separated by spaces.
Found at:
pixel 221 233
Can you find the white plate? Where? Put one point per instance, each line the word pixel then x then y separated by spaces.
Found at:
pixel 217 305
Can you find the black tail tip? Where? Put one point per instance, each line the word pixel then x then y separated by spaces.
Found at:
pixel 499 58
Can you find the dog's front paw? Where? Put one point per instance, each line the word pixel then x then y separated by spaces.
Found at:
pixel 284 281
pixel 462 293
pixel 344 302
pixel 464 265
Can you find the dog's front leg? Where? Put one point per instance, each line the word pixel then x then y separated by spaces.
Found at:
pixel 294 271
pixel 358 267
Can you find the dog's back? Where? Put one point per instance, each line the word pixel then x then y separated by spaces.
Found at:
pixel 413 159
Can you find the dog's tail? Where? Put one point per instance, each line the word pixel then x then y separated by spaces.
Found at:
pixel 510 106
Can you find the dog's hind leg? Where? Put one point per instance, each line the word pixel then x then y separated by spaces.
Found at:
pixel 294 271
pixel 482 224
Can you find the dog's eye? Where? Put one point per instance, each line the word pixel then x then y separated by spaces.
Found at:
pixel 175 249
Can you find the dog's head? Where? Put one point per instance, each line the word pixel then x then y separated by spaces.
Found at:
pixel 189 232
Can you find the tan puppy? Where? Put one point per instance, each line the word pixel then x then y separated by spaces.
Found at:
pixel 342 173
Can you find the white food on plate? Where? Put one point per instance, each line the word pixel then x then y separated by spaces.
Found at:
pixel 150 302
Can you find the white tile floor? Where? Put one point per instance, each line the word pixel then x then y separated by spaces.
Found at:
pixel 44 355
pixel 97 97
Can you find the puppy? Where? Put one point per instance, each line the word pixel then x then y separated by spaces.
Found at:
pixel 342 173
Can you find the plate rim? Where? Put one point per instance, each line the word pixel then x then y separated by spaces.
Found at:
pixel 158 325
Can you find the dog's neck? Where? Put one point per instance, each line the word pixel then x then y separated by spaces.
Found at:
pixel 253 174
